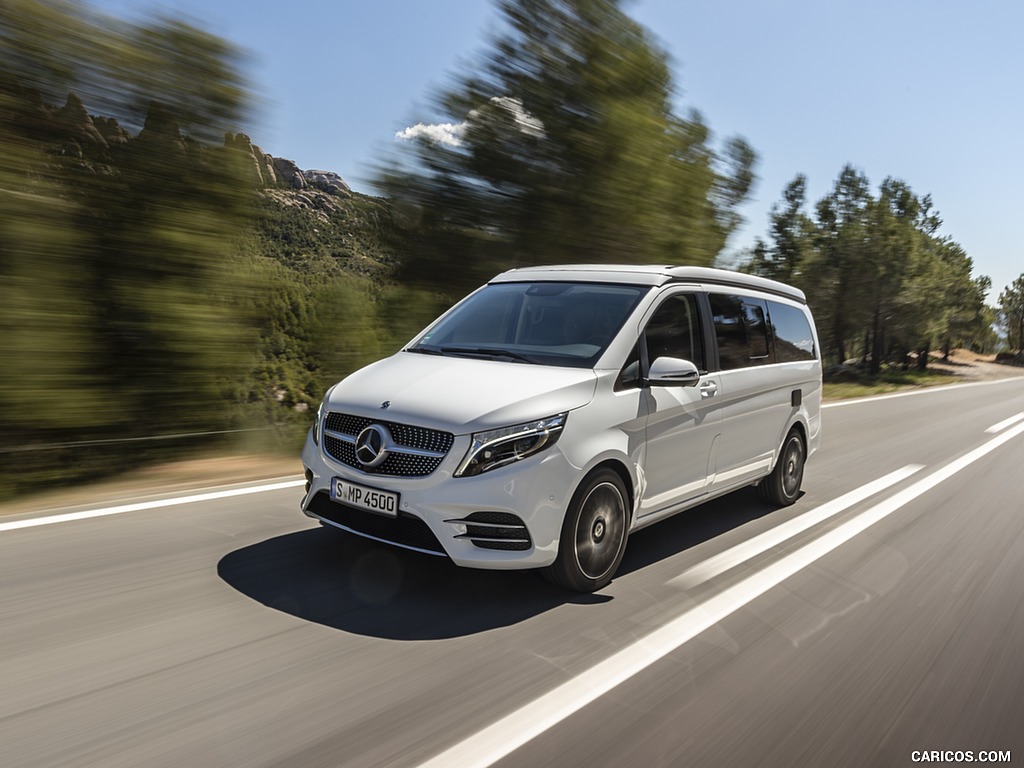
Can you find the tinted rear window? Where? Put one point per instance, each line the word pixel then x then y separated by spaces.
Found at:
pixel 741 329
pixel 793 337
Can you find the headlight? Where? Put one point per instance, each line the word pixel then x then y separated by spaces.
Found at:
pixel 498 447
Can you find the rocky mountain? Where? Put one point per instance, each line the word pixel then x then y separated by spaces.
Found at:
pixel 312 220
pixel 270 172
pixel 308 219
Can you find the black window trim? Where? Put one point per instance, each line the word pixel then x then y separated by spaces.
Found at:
pixel 707 324
pixel 769 333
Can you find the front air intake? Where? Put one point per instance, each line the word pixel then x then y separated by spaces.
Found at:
pixel 495 530
pixel 405 530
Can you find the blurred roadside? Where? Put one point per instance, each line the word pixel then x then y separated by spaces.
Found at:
pixel 164 283
pixel 204 473
pixel 962 366
pixel 975 367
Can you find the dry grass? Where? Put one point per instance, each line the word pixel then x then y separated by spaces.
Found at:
pixel 962 366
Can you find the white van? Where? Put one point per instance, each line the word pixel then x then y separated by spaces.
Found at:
pixel 556 409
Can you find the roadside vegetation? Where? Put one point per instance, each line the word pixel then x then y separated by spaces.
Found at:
pixel 863 384
pixel 156 303
pixel 883 280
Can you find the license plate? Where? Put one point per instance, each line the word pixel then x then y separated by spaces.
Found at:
pixel 371 499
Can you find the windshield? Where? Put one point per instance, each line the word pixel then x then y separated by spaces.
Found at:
pixel 564 324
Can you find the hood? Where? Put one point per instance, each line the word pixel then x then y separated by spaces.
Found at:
pixel 459 394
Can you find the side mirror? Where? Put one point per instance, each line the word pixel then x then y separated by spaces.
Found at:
pixel 673 372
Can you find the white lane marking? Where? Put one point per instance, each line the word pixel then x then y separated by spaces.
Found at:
pixel 1004 424
pixel 507 734
pixel 922 391
pixel 32 522
pixel 749 549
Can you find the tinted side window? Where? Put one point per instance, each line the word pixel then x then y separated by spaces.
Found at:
pixel 793 337
pixel 674 331
pixel 741 328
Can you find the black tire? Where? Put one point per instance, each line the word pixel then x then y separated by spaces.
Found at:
pixel 594 534
pixel 782 486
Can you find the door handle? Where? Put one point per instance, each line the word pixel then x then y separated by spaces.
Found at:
pixel 708 389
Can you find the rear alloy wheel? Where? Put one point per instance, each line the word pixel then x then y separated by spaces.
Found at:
pixel 593 534
pixel 782 486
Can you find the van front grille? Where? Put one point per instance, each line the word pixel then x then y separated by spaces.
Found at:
pixel 417 452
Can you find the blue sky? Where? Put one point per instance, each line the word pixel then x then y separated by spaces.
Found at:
pixel 931 92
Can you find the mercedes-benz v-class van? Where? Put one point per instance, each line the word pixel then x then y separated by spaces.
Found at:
pixel 556 409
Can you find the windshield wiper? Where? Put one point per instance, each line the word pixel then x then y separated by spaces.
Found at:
pixel 487 352
pixel 424 350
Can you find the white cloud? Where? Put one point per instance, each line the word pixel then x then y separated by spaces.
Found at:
pixel 450 134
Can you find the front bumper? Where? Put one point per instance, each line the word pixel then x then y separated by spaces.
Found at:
pixel 535 490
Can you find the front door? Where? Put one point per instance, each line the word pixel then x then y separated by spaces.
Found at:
pixel 683 423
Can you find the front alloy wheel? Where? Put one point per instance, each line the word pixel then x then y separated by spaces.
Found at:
pixel 593 534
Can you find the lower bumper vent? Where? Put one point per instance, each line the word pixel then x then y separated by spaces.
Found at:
pixel 403 531
pixel 495 530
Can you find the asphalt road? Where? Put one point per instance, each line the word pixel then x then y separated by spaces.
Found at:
pixel 880 616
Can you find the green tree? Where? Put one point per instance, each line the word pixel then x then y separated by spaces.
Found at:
pixel 119 296
pixel 790 234
pixel 891 257
pixel 882 281
pixel 1011 311
pixel 834 269
pixel 563 147
pixel 967 321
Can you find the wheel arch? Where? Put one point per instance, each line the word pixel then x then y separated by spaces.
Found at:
pixel 620 468
pixel 795 423
pixel 800 427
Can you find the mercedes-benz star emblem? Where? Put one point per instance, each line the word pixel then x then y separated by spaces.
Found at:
pixel 373 445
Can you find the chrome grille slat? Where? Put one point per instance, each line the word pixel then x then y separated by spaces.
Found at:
pixel 477 524
pixel 491 539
